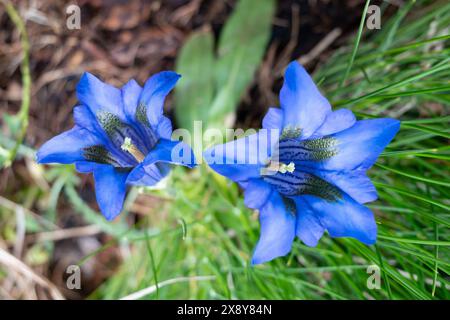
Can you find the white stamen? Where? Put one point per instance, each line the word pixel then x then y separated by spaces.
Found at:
pixel 281 167
pixel 128 146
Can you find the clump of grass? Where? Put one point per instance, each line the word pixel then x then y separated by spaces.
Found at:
pixel 400 71
pixel 200 231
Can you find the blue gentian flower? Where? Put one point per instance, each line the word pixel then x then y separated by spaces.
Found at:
pixel 313 176
pixel 121 136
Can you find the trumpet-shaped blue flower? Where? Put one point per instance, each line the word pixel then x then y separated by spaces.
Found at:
pixel 312 175
pixel 121 136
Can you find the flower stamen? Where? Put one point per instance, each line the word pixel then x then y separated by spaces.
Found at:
pixel 274 167
pixel 129 147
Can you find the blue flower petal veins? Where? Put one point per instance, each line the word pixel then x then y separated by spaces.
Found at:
pixel 67 147
pixel 121 136
pixel 99 96
pixel 243 158
pixel 336 121
pixel 315 177
pixel 308 228
pixel 256 194
pixel 155 90
pixel 303 105
pixel 273 119
pixel 277 230
pixel 110 189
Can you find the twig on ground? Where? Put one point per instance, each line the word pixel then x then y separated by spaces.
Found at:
pixel 144 292
pixel 18 266
pixel 320 47
pixel 20 232
pixel 63 234
pixel 8 204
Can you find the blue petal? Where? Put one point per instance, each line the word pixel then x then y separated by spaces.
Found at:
pixel 237 172
pixel 303 105
pixel 155 91
pixel 67 147
pixel 99 96
pixel 84 118
pixel 110 189
pixel 103 99
pixel 164 128
pixel 336 121
pixel 256 193
pixel 277 230
pixel 85 166
pixel 273 119
pixel 355 183
pixel 308 228
pixel 148 175
pixel 131 92
pixel 359 146
pixel 243 158
pixel 174 152
pixel 344 218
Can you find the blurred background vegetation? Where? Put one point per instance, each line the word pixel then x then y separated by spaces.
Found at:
pixel 193 238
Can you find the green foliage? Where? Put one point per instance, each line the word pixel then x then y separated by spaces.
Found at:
pixel 199 225
pixel 195 92
pixel 18 125
pixel 213 83
pixel 400 71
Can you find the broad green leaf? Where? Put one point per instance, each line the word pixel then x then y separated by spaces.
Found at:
pixel 195 90
pixel 212 87
pixel 241 48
